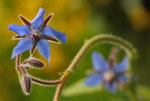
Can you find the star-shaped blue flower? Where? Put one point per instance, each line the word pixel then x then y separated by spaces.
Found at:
pixel 36 33
pixel 105 73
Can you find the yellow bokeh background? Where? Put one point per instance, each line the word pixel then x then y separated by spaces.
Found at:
pixel 79 20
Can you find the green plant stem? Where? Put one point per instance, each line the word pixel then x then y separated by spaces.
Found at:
pixel 97 39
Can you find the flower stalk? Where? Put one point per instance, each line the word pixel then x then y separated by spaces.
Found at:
pixel 26 79
pixel 129 49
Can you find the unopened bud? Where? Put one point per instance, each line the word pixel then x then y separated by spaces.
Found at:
pixel 112 57
pixel 26 84
pixel 34 62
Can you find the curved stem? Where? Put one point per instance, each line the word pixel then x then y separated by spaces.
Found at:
pixel 43 82
pixel 21 69
pixel 34 79
pixel 129 49
pixel 18 65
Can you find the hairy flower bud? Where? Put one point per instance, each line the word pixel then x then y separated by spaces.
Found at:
pixel 34 62
pixel 26 83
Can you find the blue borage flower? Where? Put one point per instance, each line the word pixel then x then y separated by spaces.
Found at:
pixel 36 33
pixel 104 73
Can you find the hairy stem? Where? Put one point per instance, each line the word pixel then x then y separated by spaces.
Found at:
pixel 43 82
pixel 22 70
pixel 18 60
pixel 129 49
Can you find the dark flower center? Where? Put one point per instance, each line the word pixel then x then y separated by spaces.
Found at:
pixel 35 35
pixel 108 76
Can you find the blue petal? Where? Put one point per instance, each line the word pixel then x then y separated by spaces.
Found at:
pixel 122 78
pixel 23 45
pixel 53 33
pixel 44 48
pixel 61 36
pixel 122 66
pixel 21 30
pixel 39 19
pixel 93 80
pixel 48 31
pixel 111 87
pixel 99 62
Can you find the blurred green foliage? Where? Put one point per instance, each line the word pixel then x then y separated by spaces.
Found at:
pixel 80 20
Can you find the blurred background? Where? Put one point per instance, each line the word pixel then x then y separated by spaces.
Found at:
pixel 80 20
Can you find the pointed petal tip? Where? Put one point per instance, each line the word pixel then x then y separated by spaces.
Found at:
pixel 11 57
pixel 125 61
pixel 47 57
pixel 99 62
pixel 60 35
pixel 10 27
pixel 39 19
pixel 94 53
pixel 21 30
pixel 23 45
pixel 43 47
pixel 111 87
pixel 41 10
pixel 63 38
pixel 48 31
